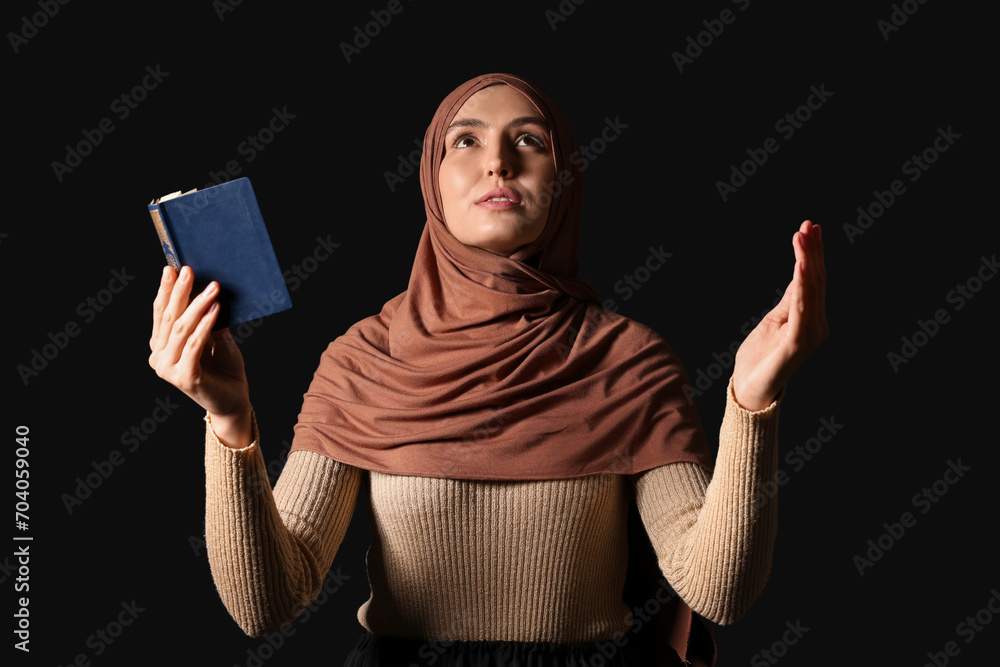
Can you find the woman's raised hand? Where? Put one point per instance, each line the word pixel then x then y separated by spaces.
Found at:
pixel 205 365
pixel 790 332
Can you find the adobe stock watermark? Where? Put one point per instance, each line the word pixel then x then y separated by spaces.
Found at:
pixel 122 106
pixel 592 316
pixel 131 440
pixel 562 12
pixel 779 648
pixel 641 616
pixel 923 500
pixel 968 629
pixel 252 146
pixel 23 585
pixel 30 25
pixel 914 168
pixel 88 310
pixel 585 155
pixel 363 35
pixel 103 637
pixel 959 295
pixel 254 485
pixel 467 447
pixel 714 28
pixel 294 277
pixel 406 166
pixel 900 14
pixel 7 569
pixel 464 447
pixel 272 642
pixel 797 459
pixel 633 281
pixel 432 650
pixel 786 125
pixel 705 377
pixel 223 7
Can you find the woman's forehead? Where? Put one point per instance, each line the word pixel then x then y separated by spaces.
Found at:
pixel 497 99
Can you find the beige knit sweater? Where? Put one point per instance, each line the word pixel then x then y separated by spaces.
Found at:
pixel 518 561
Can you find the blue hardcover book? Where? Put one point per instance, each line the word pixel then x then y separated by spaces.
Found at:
pixel 220 233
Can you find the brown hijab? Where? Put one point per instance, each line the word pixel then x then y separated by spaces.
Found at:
pixel 500 368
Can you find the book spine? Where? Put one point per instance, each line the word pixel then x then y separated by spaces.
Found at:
pixel 161 231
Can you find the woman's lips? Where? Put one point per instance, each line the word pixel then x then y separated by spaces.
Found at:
pixel 498 204
pixel 500 199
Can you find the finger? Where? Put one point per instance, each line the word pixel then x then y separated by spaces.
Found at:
pixel 796 304
pixel 815 294
pixel 817 276
pixel 800 246
pixel 176 302
pixel 811 276
pixel 180 297
pixel 821 261
pixel 189 364
pixel 181 330
pixel 160 302
pixel 816 250
pixel 791 289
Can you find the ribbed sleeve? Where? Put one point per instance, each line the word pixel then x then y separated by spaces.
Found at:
pixel 270 550
pixel 714 534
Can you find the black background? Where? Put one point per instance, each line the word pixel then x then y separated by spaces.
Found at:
pixel 137 536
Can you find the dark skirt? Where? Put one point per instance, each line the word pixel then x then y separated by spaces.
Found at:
pixel 374 651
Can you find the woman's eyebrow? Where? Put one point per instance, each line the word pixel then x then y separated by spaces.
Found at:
pixel 529 120
pixel 466 122
pixel 517 122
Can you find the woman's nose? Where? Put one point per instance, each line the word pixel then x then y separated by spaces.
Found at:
pixel 500 160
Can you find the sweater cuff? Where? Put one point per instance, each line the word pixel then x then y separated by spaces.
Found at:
pixel 732 403
pixel 212 440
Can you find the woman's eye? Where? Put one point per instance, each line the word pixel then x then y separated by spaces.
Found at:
pixel 463 142
pixel 530 140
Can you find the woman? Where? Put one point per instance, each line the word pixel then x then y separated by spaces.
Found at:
pixel 498 422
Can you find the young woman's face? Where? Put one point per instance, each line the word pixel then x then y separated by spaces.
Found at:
pixel 496 165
